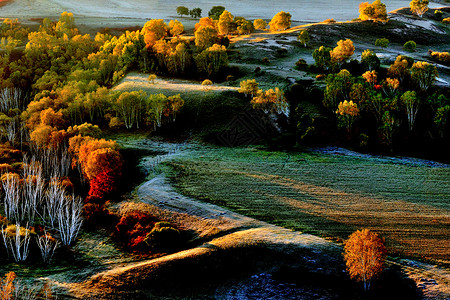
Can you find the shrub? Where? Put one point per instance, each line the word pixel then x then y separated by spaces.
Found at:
pixel 260 24
pixel 321 77
pixel 446 21
pixel 438 14
pixel 329 21
pixel 442 57
pixel 383 42
pixel 133 227
pixel 265 61
pixel 97 215
pixel 410 46
pixel 163 237
pixel 301 64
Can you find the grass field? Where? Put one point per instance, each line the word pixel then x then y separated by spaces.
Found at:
pixel 324 194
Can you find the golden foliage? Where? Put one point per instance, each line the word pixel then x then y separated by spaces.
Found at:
pixel 364 254
pixel 370 77
pixel 281 21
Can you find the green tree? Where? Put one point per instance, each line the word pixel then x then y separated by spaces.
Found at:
pixel 338 89
pixel 423 74
pixel 156 105
pixel 303 37
pixel 215 12
pixel 419 7
pixel 411 103
pixel 322 57
pixel 195 12
pixel 281 21
pixel 182 10
pixel 383 42
pixel 370 60
pixel 244 26
pixel 364 254
pixel 225 24
pixel 260 24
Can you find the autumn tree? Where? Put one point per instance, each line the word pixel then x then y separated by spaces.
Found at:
pixel 206 21
pixel 205 37
pixel 419 7
pixel 364 254
pixel 173 106
pixel 343 51
pixel 322 57
pixel 281 21
pixel 347 112
pixel 225 24
pixel 175 27
pixel 370 77
pixel 423 74
pixel 249 87
pixel 411 103
pixel 391 86
pixel 260 24
pixel 182 10
pixel 400 69
pixel 303 37
pixel 370 60
pixel 270 101
pixel 153 31
pixel 375 11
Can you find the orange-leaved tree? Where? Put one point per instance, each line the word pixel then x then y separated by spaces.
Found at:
pixel 364 255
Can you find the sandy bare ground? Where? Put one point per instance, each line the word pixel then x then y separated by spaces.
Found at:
pixel 222 229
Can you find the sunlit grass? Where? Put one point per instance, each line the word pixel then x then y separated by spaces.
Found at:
pixel 326 195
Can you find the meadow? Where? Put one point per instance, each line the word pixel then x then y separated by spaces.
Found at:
pixel 325 194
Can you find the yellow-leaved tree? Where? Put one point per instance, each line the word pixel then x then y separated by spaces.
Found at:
pixel 364 255
pixel 281 21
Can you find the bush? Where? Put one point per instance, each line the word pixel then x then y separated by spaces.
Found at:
pixel 410 46
pixel 163 237
pixel 329 21
pixel 446 21
pixel 438 14
pixel 132 229
pixel 383 42
pixel 96 215
pixel 442 57
pixel 265 61
pixel 301 64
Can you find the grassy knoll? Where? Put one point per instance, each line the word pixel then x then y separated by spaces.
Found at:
pixel 326 194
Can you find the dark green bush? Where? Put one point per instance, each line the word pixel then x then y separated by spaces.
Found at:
pixel 410 46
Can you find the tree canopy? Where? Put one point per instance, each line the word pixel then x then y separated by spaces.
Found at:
pixel 281 21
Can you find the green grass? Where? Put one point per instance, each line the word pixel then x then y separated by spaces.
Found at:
pixel 325 194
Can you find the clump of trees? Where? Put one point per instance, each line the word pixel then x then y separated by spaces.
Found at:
pixel 419 7
pixel 375 11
